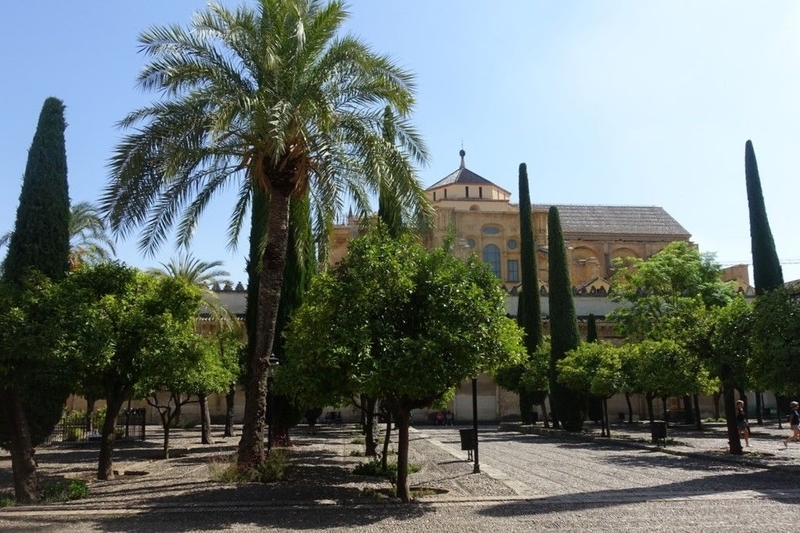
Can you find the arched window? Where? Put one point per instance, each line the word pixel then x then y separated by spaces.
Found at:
pixel 491 255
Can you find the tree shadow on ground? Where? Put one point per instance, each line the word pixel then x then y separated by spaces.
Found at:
pixel 770 484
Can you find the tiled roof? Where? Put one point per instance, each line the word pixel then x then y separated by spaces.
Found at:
pixel 617 219
pixel 462 175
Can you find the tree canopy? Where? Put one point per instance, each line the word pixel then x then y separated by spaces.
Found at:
pixel 399 323
pixel 268 100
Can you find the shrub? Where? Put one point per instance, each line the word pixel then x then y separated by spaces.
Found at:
pixel 375 468
pixel 73 434
pixel 62 491
pixel 273 468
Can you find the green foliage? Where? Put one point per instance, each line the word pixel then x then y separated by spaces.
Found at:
pixel 653 289
pixel 767 272
pixel 273 468
pixel 7 500
pixel 594 367
pixel 665 368
pixel 591 329
pixel 375 468
pixel 67 490
pixel 41 232
pixel 569 405
pixel 776 342
pixel 39 245
pixel 397 321
pixel 291 110
pixel 32 347
pixel 531 318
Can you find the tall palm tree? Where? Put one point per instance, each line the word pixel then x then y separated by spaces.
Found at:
pixel 272 99
pixel 88 240
pixel 205 274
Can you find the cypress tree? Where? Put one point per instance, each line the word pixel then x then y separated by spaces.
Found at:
pixel 41 231
pixel 767 272
pixel 568 405
pixel 33 394
pixel 591 328
pixel 596 403
pixel 529 312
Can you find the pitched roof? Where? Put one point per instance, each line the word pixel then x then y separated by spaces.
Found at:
pixel 617 219
pixel 463 175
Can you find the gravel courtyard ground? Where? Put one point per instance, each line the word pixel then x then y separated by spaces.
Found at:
pixel 528 482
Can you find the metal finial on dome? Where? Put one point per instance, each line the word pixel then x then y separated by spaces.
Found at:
pixel 462 153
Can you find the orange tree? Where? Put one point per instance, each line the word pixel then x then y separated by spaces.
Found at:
pixel 399 323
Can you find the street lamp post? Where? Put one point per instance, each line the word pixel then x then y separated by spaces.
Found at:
pixel 477 468
pixel 273 361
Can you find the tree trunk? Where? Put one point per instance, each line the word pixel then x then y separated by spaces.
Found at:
pixel 23 463
pixel 251 445
pixel 526 406
pixel 205 420
pixel 403 489
pixel 386 441
pixel 176 419
pixel 650 413
pixel 606 421
pixel 229 399
pixel 730 417
pixel 368 409
pixel 664 409
pixel 716 396
pixel 759 408
pixel 698 422
pixel 688 412
pixel 105 467
pixel 90 401
pixel 545 417
pixel 630 409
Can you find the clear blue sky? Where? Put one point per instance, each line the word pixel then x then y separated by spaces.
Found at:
pixel 615 103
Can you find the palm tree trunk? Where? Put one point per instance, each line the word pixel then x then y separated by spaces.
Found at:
pixel 251 445
pixel 26 483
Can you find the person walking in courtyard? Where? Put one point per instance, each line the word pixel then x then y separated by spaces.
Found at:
pixel 742 423
pixel 794 423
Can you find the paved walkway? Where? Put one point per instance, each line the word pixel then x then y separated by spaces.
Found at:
pixel 555 491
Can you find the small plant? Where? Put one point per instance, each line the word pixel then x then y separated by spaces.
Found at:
pixel 62 491
pixel 358 440
pixel 7 500
pixel 356 453
pixel 375 468
pixel 189 424
pixel 273 468
pixel 73 434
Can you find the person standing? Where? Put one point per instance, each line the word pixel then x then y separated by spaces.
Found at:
pixel 794 423
pixel 742 423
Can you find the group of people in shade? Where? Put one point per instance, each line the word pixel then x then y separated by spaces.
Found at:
pixel 744 426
